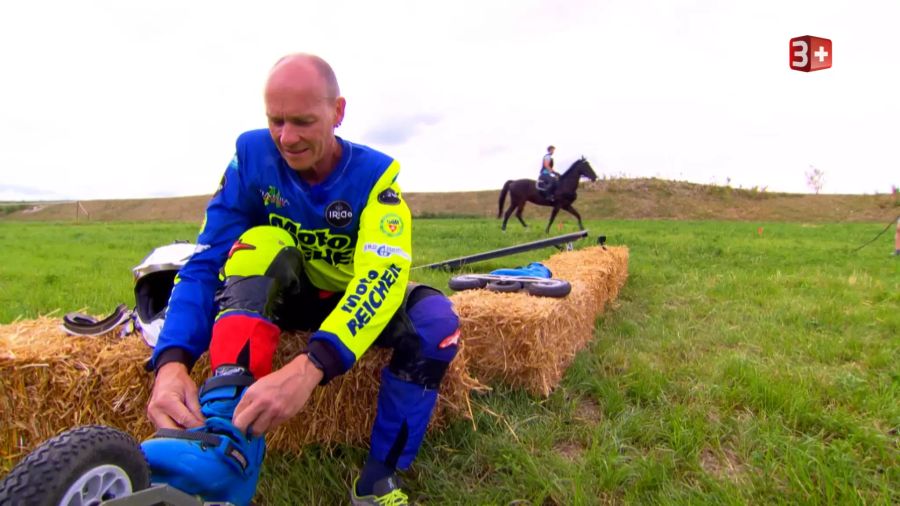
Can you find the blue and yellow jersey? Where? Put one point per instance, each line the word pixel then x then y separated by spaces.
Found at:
pixel 354 231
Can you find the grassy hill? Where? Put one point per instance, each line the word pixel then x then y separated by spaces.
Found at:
pixel 606 199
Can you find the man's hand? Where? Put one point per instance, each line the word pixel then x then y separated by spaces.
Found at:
pixel 275 398
pixel 174 403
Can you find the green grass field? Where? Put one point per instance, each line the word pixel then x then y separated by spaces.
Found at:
pixel 735 368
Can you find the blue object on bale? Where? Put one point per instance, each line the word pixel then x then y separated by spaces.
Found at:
pixel 534 269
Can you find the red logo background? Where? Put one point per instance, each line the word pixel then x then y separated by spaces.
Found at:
pixel 809 53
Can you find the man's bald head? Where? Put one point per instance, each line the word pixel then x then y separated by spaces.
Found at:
pixel 298 66
pixel 303 107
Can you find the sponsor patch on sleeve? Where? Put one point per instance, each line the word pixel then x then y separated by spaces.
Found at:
pixel 384 250
pixel 391 225
pixel 389 197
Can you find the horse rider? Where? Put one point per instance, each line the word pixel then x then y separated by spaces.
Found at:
pixel 548 178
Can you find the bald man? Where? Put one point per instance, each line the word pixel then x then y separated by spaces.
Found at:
pixel 307 231
pixel 897 239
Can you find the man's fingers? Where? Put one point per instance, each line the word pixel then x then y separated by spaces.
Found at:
pixel 181 415
pixel 252 418
pixel 189 420
pixel 244 414
pixel 172 414
pixel 161 421
pixel 195 416
pixel 259 426
pixel 174 403
pixel 160 411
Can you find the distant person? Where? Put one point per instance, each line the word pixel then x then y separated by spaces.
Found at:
pixel 548 177
pixel 307 231
pixel 897 239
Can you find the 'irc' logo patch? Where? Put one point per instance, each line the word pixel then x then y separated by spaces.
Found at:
pixel 338 214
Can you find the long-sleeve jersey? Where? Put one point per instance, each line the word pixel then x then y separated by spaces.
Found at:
pixel 354 231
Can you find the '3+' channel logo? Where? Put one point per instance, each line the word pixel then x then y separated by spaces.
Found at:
pixel 810 53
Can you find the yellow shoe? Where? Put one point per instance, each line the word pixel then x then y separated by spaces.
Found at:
pixel 386 492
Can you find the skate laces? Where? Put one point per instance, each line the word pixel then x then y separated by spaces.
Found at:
pixel 395 497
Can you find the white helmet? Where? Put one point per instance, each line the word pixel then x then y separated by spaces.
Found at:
pixel 154 279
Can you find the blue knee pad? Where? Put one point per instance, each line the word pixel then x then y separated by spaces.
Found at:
pixel 216 461
pixel 432 339
pixel 409 385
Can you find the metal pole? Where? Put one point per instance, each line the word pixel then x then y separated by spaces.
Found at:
pixel 487 255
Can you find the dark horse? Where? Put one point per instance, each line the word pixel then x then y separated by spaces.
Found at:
pixel 524 190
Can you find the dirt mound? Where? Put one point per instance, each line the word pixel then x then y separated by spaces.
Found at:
pixel 604 199
pixel 161 209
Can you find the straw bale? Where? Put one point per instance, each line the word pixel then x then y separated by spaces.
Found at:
pixel 50 382
pixel 528 342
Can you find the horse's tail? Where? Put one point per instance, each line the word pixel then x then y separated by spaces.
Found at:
pixel 503 193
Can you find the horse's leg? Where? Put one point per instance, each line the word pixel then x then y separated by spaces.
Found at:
pixel 552 217
pixel 512 207
pixel 519 213
pixel 574 213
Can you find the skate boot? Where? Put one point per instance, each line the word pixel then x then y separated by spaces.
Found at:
pixel 534 269
pixel 216 461
pixel 386 492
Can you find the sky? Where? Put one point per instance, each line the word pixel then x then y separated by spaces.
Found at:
pixel 137 99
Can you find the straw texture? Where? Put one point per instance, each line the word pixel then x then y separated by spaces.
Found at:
pixel 528 342
pixel 50 382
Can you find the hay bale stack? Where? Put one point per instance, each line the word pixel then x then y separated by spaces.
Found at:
pixel 528 342
pixel 50 382
pixel 602 272
pixel 343 411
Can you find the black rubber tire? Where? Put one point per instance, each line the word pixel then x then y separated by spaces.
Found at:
pixel 549 288
pixel 466 282
pixel 47 473
pixel 504 286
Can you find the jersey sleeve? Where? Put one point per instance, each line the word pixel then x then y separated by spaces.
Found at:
pixel 188 324
pixel 381 261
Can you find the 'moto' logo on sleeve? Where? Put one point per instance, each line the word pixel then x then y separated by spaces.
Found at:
pixel 319 244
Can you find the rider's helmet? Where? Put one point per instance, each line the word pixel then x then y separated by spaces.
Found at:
pixel 154 279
